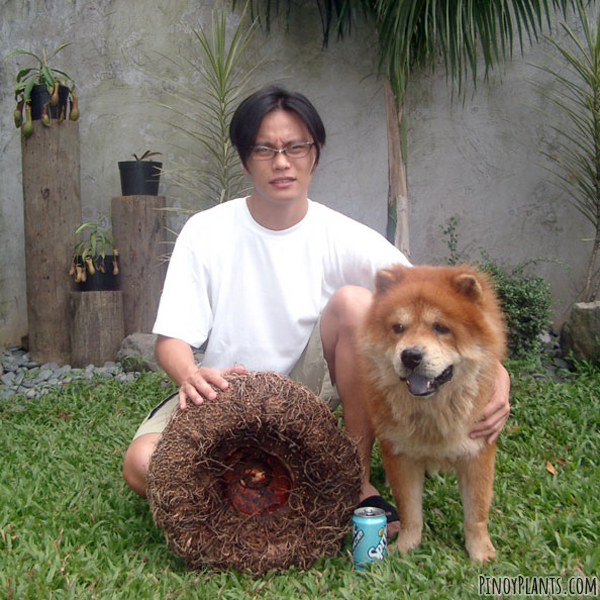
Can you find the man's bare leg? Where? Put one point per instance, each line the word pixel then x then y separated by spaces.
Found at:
pixel 136 461
pixel 339 323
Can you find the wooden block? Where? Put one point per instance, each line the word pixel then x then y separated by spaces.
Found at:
pixel 97 330
pixel 139 229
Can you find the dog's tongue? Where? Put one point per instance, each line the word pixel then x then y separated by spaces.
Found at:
pixel 419 385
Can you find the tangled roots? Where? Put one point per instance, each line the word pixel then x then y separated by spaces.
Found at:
pixel 260 478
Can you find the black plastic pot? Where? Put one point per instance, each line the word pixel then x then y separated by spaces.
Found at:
pixel 40 96
pixel 139 177
pixel 100 281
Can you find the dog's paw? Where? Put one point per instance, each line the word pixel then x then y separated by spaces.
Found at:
pixel 481 550
pixel 407 540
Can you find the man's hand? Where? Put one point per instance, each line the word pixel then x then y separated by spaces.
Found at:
pixel 496 411
pixel 177 359
pixel 197 387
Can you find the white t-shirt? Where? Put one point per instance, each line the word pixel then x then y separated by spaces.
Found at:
pixel 255 293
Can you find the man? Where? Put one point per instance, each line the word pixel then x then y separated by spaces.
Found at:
pixel 274 282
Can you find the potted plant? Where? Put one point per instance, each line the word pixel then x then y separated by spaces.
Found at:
pixel 140 177
pixel 95 264
pixel 43 92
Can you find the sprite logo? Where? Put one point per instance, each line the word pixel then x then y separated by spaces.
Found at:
pixel 378 552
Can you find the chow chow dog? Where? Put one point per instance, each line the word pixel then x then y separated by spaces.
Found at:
pixel 430 347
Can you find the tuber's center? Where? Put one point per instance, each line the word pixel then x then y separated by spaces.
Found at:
pixel 256 482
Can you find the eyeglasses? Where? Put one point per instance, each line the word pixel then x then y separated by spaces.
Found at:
pixel 298 150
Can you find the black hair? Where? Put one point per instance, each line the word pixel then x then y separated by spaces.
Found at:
pixel 250 113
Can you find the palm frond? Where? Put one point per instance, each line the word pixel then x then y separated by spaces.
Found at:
pixel 575 161
pixel 417 33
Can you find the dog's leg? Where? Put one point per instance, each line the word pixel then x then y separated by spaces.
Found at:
pixel 476 479
pixel 406 480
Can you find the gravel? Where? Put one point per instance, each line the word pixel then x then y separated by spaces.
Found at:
pixel 19 375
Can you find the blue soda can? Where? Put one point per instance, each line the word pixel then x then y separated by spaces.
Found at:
pixel 369 535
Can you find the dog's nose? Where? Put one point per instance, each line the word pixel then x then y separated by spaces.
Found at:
pixel 411 357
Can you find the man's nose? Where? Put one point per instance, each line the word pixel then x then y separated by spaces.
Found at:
pixel 281 160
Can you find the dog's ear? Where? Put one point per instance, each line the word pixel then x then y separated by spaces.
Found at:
pixel 386 278
pixel 468 286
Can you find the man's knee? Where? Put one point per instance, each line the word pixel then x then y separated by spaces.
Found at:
pixel 137 460
pixel 346 308
pixel 340 321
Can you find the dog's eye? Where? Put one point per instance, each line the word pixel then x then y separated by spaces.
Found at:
pixel 398 327
pixel 440 329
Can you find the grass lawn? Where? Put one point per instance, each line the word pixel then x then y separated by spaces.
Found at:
pixel 70 528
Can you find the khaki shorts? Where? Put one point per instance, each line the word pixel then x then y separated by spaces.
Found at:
pixel 311 370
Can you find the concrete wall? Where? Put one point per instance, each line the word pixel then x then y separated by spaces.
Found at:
pixel 482 162
pixel 477 161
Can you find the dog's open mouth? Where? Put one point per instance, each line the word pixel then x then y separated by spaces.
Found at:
pixel 418 385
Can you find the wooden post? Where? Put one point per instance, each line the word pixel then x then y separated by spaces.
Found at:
pixel 97 330
pixel 52 212
pixel 139 229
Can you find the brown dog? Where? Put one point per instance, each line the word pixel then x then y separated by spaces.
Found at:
pixel 430 347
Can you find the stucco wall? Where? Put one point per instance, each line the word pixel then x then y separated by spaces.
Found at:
pixel 481 161
pixel 477 161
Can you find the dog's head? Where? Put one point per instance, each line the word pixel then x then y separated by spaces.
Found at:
pixel 425 322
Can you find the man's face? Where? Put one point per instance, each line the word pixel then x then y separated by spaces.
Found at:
pixel 281 179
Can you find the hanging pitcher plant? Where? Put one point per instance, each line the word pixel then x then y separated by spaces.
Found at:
pixel 53 79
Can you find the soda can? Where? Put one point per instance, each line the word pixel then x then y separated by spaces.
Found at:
pixel 369 535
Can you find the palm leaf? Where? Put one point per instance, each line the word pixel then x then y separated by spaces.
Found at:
pixel 575 162
pixel 416 34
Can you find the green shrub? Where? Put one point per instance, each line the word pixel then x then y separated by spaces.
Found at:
pixel 526 303
pixel 525 298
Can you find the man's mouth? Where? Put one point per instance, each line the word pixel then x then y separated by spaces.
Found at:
pixel 282 181
pixel 418 385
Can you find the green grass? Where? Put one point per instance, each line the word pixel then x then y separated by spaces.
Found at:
pixel 70 527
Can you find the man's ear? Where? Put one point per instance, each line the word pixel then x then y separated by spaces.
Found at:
pixel 314 167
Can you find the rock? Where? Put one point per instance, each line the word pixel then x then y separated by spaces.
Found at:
pixel 137 353
pixel 43 375
pixel 545 338
pixel 5 392
pixel 580 334
pixel 10 366
pixel 8 379
pixel 62 371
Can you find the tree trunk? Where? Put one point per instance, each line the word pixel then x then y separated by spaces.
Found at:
pixel 592 288
pixel 139 230
pixel 398 230
pixel 52 212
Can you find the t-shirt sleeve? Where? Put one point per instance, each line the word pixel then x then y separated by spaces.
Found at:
pixel 184 311
pixel 356 253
